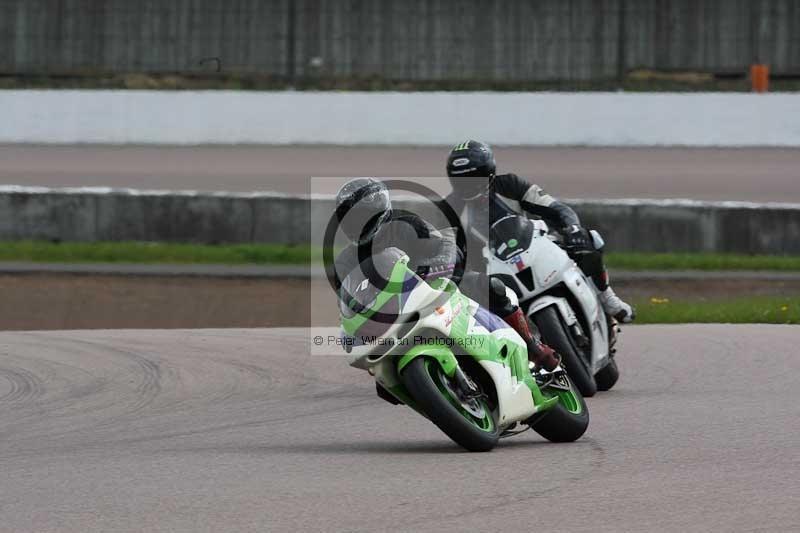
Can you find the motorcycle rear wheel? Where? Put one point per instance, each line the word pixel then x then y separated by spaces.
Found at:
pixel 431 390
pixel 607 376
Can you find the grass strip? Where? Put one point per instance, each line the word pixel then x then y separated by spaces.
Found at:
pixel 757 309
pixel 239 254
pixel 748 310
pixel 144 252
pixel 701 261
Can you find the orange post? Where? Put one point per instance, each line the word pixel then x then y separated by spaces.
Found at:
pixel 759 77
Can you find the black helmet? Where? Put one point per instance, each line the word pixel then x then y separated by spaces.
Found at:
pixel 470 167
pixel 362 206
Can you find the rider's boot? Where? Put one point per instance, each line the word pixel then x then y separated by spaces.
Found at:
pixel 539 353
pixel 615 307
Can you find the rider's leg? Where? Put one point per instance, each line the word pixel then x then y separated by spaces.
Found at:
pixel 491 293
pixel 616 307
pixel 591 262
pixel 539 353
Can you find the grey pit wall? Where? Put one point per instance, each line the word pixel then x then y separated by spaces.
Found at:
pixel 688 226
pixel 125 215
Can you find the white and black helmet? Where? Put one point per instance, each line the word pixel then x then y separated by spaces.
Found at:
pixel 362 207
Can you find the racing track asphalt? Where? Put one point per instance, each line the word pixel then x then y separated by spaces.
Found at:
pixel 747 174
pixel 243 430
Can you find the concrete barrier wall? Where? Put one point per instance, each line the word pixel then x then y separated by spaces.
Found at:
pixel 124 215
pixel 434 118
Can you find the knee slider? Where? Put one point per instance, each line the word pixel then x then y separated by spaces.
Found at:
pixel 497 288
pixel 501 303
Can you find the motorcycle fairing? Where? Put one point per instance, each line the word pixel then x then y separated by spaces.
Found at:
pixel 444 313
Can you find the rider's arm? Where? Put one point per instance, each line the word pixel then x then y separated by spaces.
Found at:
pixel 433 253
pixel 535 201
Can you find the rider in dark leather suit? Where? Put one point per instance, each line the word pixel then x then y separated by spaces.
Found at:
pixel 481 197
pixel 364 212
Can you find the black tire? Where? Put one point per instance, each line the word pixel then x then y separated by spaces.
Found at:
pixel 607 376
pixel 421 385
pixel 559 424
pixel 555 334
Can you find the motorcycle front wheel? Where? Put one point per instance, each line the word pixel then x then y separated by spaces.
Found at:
pixel 567 421
pixel 555 334
pixel 469 422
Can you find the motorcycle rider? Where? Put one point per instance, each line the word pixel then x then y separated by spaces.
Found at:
pixel 365 216
pixel 481 197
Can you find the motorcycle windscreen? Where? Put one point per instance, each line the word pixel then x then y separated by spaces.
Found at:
pixel 510 236
pixel 369 291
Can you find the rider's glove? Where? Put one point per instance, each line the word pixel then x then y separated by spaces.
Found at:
pixel 577 239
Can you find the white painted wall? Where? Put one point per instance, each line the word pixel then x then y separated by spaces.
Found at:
pixel 433 118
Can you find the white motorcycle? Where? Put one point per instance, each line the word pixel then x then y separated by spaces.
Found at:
pixel 557 297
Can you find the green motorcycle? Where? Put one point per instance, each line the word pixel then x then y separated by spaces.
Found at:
pixel 440 353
